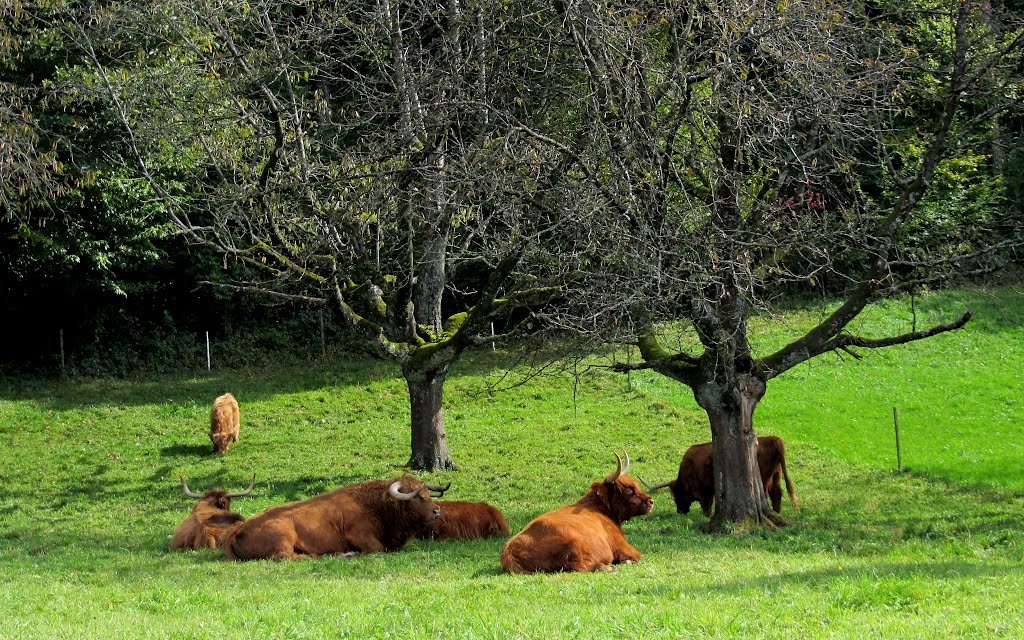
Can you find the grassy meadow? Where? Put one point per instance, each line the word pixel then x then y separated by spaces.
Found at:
pixel 89 497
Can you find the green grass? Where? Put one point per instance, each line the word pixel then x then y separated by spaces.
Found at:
pixel 89 497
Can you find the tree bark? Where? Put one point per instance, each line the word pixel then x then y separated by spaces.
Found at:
pixel 739 494
pixel 429 441
pixel 740 500
pixel 430 283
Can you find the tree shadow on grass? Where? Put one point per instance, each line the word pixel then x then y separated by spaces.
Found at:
pixel 247 385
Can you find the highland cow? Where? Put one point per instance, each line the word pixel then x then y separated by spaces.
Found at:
pixel 210 519
pixel 381 515
pixel 224 422
pixel 461 520
pixel 586 536
pixel 696 481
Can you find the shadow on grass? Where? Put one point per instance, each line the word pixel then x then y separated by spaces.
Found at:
pixel 939 569
pixel 247 385
pixel 187 450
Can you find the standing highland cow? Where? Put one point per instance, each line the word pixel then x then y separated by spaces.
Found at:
pixel 224 420
pixel 696 479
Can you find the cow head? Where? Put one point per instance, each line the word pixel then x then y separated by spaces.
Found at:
pixel 620 494
pixel 217 497
pixel 221 442
pixel 684 496
pixel 415 497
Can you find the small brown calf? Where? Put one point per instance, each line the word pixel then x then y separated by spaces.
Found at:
pixel 224 421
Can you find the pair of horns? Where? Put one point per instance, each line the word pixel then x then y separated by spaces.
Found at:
pixel 232 494
pixel 613 476
pixel 436 491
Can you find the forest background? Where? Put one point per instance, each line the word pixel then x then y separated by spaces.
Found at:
pixel 97 280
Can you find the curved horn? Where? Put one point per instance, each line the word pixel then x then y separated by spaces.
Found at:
pixel 651 489
pixel 614 475
pixel 626 453
pixel 395 491
pixel 438 489
pixel 248 490
pixel 189 492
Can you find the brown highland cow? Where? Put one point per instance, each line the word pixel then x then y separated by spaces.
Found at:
pixel 224 420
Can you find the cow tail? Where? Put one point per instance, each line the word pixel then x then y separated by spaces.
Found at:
pixel 785 474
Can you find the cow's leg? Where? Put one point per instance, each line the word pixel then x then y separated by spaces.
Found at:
pixel 774 490
pixel 292 554
pixel 588 556
pixel 707 501
pixel 363 539
pixel 627 553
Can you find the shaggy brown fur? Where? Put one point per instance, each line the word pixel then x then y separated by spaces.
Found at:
pixel 358 518
pixel 224 422
pixel 696 480
pixel 210 519
pixel 461 520
pixel 586 536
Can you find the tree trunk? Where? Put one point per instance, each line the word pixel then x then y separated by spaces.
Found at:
pixel 739 494
pixel 429 442
pixel 740 500
pixel 430 281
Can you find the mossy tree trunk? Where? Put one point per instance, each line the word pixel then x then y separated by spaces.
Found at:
pixel 426 405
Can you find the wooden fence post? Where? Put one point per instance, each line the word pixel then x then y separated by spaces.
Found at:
pixel 899 453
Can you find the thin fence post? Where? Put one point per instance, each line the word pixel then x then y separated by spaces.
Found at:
pixel 63 367
pixel 899 453
pixel 208 351
pixel 323 337
pixel 629 368
pixel 493 347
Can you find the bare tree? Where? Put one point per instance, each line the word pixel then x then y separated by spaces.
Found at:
pixel 728 146
pixel 361 156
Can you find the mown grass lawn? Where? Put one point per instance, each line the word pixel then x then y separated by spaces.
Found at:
pixel 89 497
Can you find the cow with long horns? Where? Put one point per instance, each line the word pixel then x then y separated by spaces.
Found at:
pixel 381 515
pixel 586 536
pixel 211 517
pixel 696 481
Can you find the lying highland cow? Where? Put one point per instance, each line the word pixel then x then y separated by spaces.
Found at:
pixel 586 536
pixel 381 515
pixel 461 520
pixel 210 518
